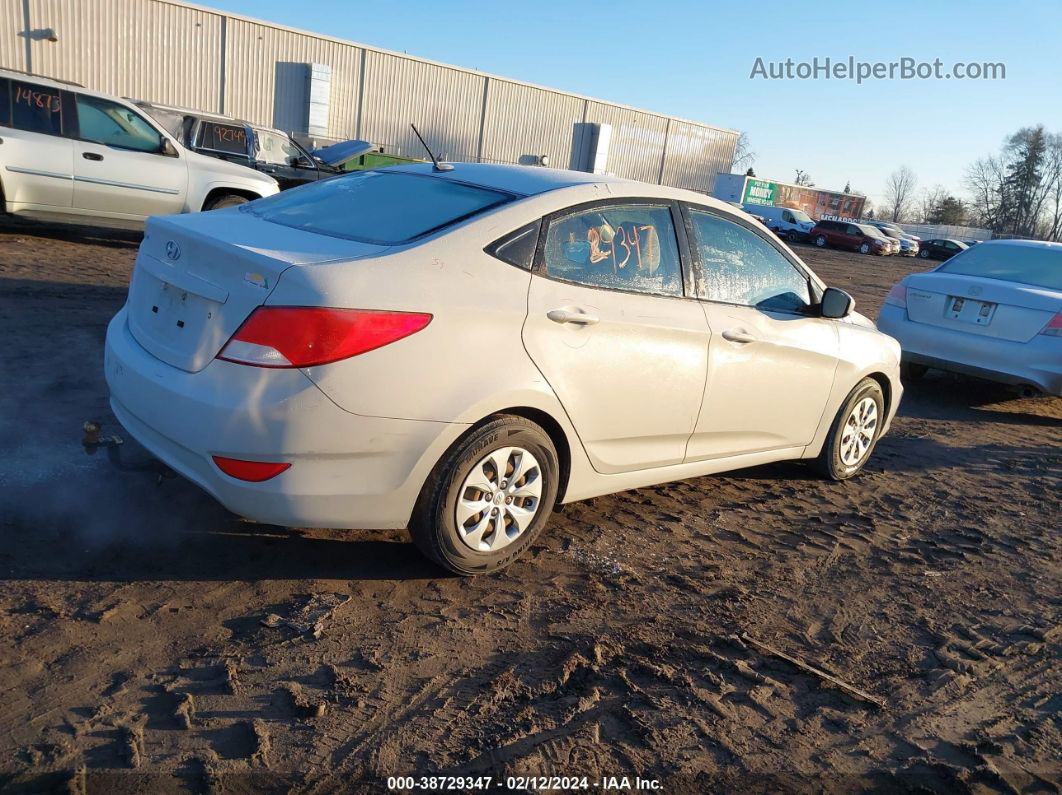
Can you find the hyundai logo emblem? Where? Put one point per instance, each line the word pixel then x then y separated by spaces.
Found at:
pixel 975 290
pixel 173 251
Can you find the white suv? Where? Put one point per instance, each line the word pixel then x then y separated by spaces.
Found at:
pixel 71 154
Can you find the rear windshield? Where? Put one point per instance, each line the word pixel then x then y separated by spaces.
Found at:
pixel 385 208
pixel 1033 265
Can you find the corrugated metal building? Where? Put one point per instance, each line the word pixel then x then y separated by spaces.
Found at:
pixel 176 53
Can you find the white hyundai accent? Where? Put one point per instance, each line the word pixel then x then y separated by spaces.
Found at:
pixel 993 310
pixel 458 351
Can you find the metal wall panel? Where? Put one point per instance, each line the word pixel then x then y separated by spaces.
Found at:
pixel 637 140
pixel 167 51
pixel 144 49
pixel 524 122
pixel 266 77
pixel 446 105
pixel 695 154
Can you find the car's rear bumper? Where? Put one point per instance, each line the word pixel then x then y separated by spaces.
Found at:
pixel 347 470
pixel 1037 363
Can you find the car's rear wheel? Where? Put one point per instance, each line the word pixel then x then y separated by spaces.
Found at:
pixel 854 432
pixel 226 200
pixel 864 249
pixel 488 497
pixel 912 371
pixel 820 241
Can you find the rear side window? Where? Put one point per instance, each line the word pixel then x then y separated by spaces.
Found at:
pixel 387 208
pixel 5 102
pixel 1040 266
pixel 229 138
pixel 623 247
pixel 36 108
pixel 740 267
pixel 517 248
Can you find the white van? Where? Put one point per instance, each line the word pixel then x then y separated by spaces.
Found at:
pixel 793 225
pixel 75 155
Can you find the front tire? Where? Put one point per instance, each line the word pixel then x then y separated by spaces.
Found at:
pixel 792 236
pixel 924 254
pixel 488 498
pixel 226 200
pixel 864 249
pixel 854 432
pixel 820 241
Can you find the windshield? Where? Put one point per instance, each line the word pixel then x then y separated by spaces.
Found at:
pixel 170 120
pixel 888 232
pixel 871 231
pixel 386 208
pixel 278 149
pixel 801 216
pixel 1035 265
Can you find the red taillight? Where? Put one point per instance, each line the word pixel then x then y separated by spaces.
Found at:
pixel 290 336
pixel 1054 326
pixel 897 296
pixel 253 471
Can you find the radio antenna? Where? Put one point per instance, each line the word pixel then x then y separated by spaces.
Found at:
pixel 436 165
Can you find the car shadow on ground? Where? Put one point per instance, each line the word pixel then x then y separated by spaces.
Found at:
pixel 947 396
pixel 72 233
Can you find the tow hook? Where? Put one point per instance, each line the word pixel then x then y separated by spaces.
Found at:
pixel 92 442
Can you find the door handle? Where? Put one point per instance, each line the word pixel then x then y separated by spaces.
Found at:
pixel 91 156
pixel 738 335
pixel 572 316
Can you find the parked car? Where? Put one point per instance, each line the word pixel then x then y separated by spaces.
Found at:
pixel 264 149
pixel 320 358
pixel 940 248
pixel 789 224
pixel 908 246
pixel 994 311
pixel 75 155
pixel 855 237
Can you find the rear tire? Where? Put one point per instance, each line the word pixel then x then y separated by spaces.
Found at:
pixel 912 371
pixel 226 200
pixel 854 432
pixel 446 525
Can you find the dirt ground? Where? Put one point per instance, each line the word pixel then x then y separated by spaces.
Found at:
pixel 149 640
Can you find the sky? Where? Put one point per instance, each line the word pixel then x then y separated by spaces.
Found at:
pixel 694 60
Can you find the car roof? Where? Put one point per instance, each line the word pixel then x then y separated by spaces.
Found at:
pixel 533 180
pixel 54 82
pixel 1024 243
pixel 200 114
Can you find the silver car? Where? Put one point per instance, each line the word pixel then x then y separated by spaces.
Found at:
pixel 993 310
pixel 457 350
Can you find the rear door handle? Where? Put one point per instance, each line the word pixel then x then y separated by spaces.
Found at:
pixel 738 335
pixel 572 316
pixel 91 156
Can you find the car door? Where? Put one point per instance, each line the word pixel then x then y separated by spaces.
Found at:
pixel 122 168
pixel 36 157
pixel 853 236
pixel 609 328
pixel 771 361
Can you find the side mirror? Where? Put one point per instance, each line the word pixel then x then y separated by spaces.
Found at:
pixel 167 148
pixel 836 303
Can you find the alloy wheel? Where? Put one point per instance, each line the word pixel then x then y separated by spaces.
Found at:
pixel 859 430
pixel 499 499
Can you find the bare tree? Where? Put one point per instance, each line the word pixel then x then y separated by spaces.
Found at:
pixel 804 179
pixel 744 157
pixel 930 201
pixel 899 193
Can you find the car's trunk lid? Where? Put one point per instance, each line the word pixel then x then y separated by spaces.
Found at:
pixel 197 278
pixel 988 307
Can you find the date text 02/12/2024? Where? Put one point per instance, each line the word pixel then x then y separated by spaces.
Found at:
pixel 522 783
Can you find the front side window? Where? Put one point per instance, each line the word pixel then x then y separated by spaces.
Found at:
pixel 111 124
pixel 228 138
pixel 853 230
pixel 740 267
pixel 386 208
pixel 622 247
pixel 36 108
pixel 277 149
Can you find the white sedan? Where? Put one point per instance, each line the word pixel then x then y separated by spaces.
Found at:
pixel 459 350
pixel 994 311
